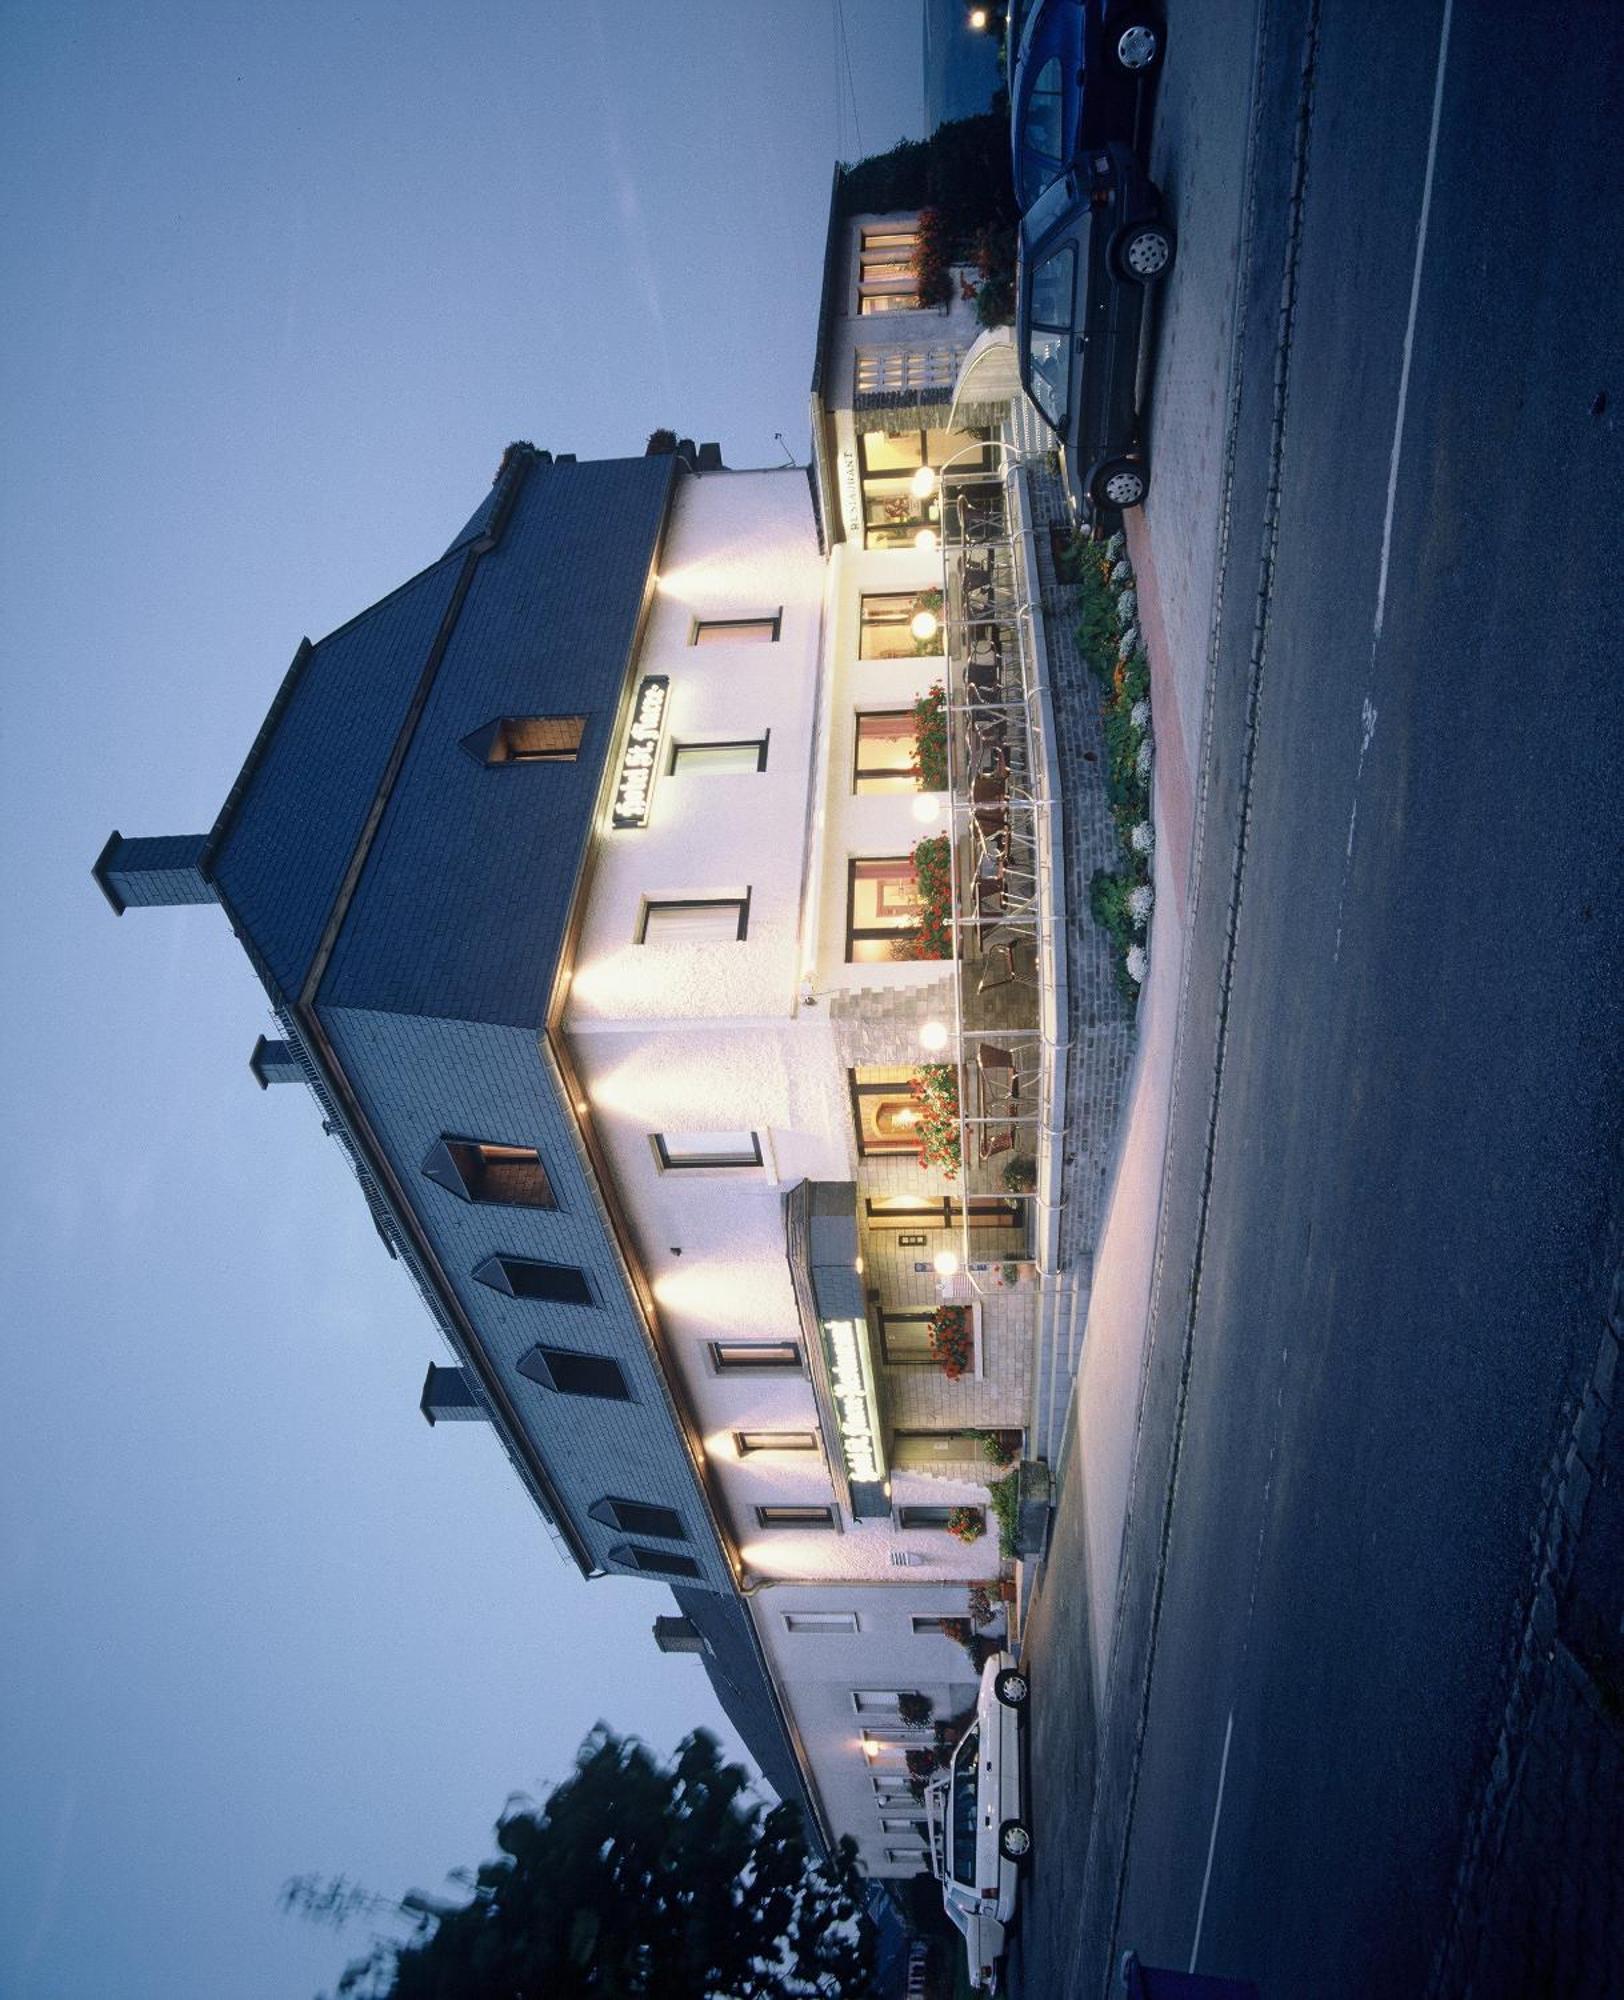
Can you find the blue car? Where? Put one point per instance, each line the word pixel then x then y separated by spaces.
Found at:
pixel 1081 80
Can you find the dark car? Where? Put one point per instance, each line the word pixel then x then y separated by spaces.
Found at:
pixel 1090 251
pixel 1080 80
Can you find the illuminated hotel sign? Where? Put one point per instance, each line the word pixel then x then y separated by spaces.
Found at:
pixel 851 1380
pixel 641 757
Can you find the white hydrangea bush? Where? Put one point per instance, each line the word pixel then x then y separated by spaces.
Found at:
pixel 1141 762
pixel 1139 715
pixel 1128 642
pixel 1143 838
pixel 1140 902
pixel 1137 963
pixel 1128 605
pixel 1122 572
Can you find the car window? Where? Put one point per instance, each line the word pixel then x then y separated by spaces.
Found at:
pixel 1042 131
pixel 964 1811
pixel 1051 289
pixel 1049 373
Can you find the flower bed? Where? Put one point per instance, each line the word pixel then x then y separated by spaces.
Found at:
pixel 1120 899
pixel 952 1340
pixel 933 280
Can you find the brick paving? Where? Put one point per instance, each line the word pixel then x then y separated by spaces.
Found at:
pixel 1539 1897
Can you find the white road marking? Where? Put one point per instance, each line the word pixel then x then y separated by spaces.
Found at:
pixel 1409 329
pixel 1367 735
pixel 1212 1842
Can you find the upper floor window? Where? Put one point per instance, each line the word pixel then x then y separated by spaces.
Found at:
pixel 574 1374
pixel 523 1278
pixel 885 269
pixel 654 1562
pixel 795 1517
pixel 745 1442
pixel 887 752
pixel 704 760
pixel 475 1171
pixel 708 1149
pixel 724 631
pixel 905 1340
pixel 748 1357
pixel 695 920
pixel 527 739
pixel 882 910
pixel 637 1517
pixel 886 628
pixel 820 1621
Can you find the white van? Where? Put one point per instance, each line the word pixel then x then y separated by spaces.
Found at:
pixel 979 1837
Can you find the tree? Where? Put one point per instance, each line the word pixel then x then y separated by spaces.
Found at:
pixel 633 1880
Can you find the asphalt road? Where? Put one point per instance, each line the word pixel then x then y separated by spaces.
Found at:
pixel 1385 1252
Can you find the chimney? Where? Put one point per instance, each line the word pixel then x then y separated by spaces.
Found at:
pixel 274 1062
pixel 155 873
pixel 449 1395
pixel 677 1635
pixel 709 459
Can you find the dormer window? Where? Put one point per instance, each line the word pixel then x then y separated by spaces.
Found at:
pixel 511 1176
pixel 527 739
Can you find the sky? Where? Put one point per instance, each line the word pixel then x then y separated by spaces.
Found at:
pixel 277 284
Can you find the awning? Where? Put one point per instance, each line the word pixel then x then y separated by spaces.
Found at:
pixel 989 375
pixel 821 1241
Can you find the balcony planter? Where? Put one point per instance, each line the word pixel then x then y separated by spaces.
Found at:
pixel 933 881
pixel 952 1340
pixel 930 738
pixel 934 1088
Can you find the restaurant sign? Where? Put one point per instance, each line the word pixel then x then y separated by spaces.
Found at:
pixel 641 757
pixel 851 1380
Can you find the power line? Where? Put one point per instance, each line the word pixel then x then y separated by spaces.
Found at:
pixel 845 44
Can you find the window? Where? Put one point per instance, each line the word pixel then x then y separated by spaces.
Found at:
pixel 510 1175
pixel 876 1701
pixel 879 1743
pixel 905 1853
pixel 929 1211
pixel 1042 148
pixel 895 1823
pixel 703 760
pixel 699 920
pixel 527 739
pixel 891 1789
pixel 654 1562
pixel 882 910
pixel 884 1110
pixel 1049 337
pixel 795 1517
pixel 893 513
pixel 917 1518
pixel 885 628
pixel 820 1621
pixel 707 1149
pixel 905 1339
pixel 749 1357
pixel 936 1628
pixel 725 631
pixel 746 1442
pixel 521 1278
pixel 885 273
pixel 962 1812
pixel 636 1517
pixel 886 752
pixel 572 1374
pixel 882 371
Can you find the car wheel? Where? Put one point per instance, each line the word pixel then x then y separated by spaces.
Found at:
pixel 1014 1840
pixel 1144 254
pixel 1138 46
pixel 1120 482
pixel 1012 1687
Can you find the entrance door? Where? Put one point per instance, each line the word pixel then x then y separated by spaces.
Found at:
pixel 928 1451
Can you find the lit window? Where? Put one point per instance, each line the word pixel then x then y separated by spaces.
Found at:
pixel 885 269
pixel 885 1112
pixel 882 910
pixel 885 628
pixel 905 1339
pixel 795 1517
pixel 636 1517
pixel 881 371
pixel 509 1175
pixel 728 631
pixel 820 1621
pixel 707 1149
pixel 886 752
pixel 523 1278
pixel 750 1357
pixel 527 739
pixel 702 760
pixel 893 513
pixel 746 1442
pixel 696 920
pixel 573 1374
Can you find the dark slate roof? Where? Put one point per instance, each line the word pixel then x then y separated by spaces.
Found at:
pixel 366 726
pixel 732 1658
pixel 833 243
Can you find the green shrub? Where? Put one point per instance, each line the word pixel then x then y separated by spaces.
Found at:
pixel 1006 1503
